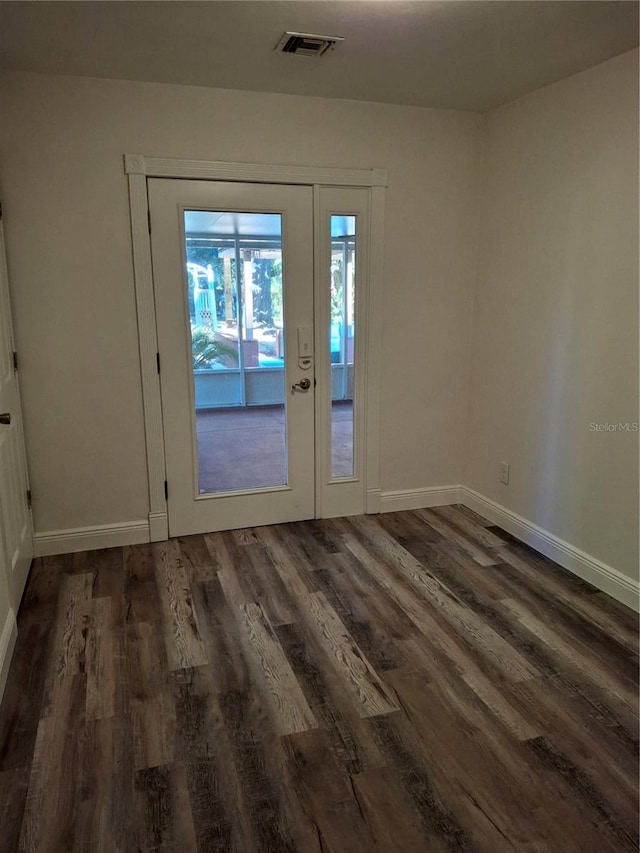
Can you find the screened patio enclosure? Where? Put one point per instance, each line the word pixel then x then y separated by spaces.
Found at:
pixel 235 295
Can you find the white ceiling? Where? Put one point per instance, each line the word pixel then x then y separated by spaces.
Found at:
pixel 456 54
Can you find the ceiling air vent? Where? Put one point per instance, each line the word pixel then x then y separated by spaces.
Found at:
pixel 307 44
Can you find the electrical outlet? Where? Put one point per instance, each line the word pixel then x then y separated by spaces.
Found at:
pixel 504 473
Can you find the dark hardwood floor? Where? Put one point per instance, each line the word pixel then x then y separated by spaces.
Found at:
pixel 417 681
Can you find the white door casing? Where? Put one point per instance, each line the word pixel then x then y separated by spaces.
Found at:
pixel 139 168
pixel 16 532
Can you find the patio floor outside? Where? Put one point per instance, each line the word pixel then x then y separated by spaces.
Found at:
pixel 244 448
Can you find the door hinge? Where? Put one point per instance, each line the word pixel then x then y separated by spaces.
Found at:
pixel 166 490
pixel 15 361
pixel 158 361
pixel 149 220
pixel 29 498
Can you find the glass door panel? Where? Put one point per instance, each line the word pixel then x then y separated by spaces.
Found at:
pixel 234 275
pixel 342 343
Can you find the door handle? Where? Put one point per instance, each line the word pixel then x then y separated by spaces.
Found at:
pixel 303 385
pixel 5 417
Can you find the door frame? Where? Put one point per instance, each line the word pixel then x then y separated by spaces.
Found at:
pixel 138 168
pixel 18 562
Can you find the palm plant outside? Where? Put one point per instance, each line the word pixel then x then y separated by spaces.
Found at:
pixel 206 350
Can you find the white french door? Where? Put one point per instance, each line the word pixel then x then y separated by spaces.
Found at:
pixel 260 380
pixel 237 375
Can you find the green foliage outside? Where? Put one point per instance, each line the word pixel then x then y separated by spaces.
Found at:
pixel 207 351
pixel 336 290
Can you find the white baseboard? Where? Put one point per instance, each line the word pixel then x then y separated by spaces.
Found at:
pixel 52 542
pixel 420 498
pixel 7 644
pixel 602 576
pixel 590 569
pixel 372 505
pixel 158 526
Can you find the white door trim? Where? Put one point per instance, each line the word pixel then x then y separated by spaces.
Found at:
pixel 138 168
pixel 16 522
pixel 212 170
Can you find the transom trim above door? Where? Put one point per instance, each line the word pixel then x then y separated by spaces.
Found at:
pixel 160 167
pixel 138 168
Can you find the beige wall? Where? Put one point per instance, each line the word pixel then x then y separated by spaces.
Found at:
pixel 69 252
pixel 555 343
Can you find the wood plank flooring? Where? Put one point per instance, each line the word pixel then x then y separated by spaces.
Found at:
pixel 418 681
